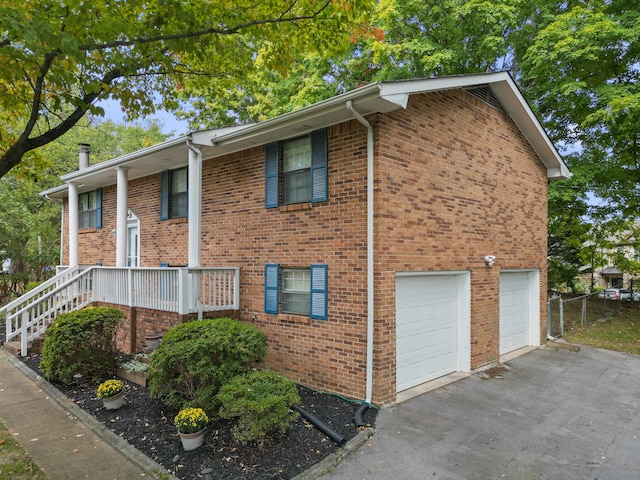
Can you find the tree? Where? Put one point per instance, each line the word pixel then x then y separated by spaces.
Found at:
pixel 580 69
pixel 29 224
pixel 404 39
pixel 58 59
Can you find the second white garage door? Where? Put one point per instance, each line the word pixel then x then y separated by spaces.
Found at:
pixel 428 317
pixel 518 305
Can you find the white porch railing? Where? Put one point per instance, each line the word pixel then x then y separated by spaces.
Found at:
pixel 179 290
pixel 29 316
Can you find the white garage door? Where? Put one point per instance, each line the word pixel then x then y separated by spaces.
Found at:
pixel 514 310
pixel 426 328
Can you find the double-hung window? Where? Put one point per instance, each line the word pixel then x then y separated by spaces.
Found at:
pixel 296 170
pixel 300 291
pixel 296 290
pixel 173 193
pixel 90 209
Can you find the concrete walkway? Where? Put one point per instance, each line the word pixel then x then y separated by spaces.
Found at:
pixel 65 441
pixel 553 415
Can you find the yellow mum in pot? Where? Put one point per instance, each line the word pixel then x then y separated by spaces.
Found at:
pixel 191 420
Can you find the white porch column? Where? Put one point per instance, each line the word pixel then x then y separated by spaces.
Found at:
pixel 73 225
pixel 121 216
pixel 195 205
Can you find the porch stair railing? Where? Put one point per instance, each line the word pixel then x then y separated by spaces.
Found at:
pixel 179 290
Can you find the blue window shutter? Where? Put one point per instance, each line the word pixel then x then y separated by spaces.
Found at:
pixel 271 287
pixel 164 195
pixel 319 167
pixel 319 291
pixel 99 208
pixel 272 177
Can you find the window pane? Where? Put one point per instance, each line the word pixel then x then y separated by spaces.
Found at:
pixel 296 303
pixel 298 280
pixel 87 210
pixel 179 181
pixel 179 205
pixel 296 154
pixel 297 186
pixel 296 288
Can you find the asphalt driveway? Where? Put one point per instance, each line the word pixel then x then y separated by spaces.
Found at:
pixel 553 415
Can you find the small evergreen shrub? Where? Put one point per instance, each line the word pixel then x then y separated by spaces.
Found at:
pixel 262 401
pixel 81 342
pixel 196 358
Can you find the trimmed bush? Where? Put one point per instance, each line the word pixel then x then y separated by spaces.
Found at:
pixel 81 342
pixel 262 402
pixel 196 358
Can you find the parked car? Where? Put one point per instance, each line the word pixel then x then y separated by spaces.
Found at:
pixel 618 294
pixel 611 293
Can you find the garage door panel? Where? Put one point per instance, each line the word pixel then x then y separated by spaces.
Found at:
pixel 514 310
pixel 426 315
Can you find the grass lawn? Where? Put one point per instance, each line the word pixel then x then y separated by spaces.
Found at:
pixel 15 464
pixel 620 332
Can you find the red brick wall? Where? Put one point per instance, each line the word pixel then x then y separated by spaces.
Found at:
pixel 455 181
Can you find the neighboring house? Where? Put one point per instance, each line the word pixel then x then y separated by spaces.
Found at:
pixel 382 238
pixel 612 275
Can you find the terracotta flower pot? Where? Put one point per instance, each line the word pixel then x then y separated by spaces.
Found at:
pixel 115 402
pixel 191 441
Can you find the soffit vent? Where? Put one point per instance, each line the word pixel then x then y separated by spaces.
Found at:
pixel 485 93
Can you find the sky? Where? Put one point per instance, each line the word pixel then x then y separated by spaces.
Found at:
pixel 170 124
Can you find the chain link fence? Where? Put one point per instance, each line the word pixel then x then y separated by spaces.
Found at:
pixel 580 311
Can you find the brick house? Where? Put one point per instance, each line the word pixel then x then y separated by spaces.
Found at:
pixel 382 238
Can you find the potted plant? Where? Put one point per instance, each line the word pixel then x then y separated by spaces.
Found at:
pixel 191 424
pixel 111 392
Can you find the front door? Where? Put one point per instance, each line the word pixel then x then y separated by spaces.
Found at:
pixel 133 244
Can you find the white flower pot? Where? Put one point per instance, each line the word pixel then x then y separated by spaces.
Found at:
pixel 191 441
pixel 115 402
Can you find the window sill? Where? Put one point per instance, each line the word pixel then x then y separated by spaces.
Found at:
pixel 293 318
pixel 82 231
pixel 296 207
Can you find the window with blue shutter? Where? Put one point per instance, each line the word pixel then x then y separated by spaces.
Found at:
pixel 296 171
pixel 90 209
pixel 300 291
pixel 319 292
pixel 271 291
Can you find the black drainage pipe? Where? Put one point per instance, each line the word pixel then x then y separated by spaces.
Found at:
pixel 359 421
pixel 336 437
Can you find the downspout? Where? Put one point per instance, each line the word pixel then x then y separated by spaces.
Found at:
pixel 370 264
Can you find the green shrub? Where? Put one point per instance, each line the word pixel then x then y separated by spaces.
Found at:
pixel 261 401
pixel 81 342
pixel 196 358
pixel 31 285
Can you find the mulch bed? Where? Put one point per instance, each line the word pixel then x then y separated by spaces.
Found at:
pixel 147 424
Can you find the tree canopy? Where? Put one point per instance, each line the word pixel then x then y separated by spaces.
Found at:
pixel 30 224
pixel 58 59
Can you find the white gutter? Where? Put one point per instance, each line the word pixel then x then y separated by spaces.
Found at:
pixel 370 264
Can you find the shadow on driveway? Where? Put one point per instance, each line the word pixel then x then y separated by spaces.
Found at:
pixel 552 415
